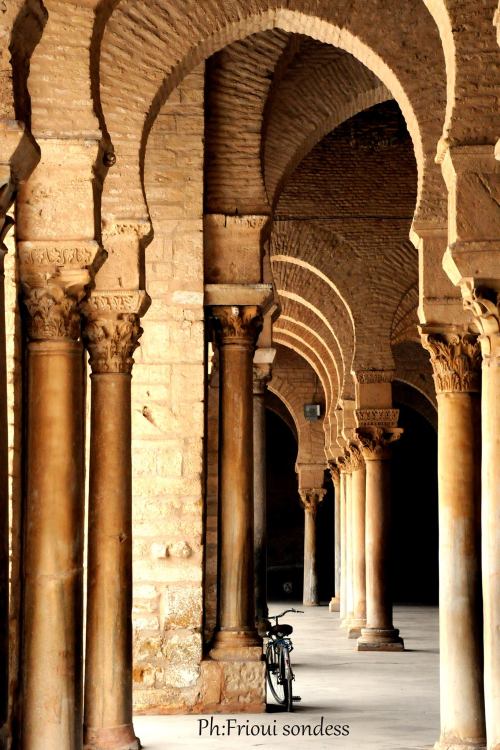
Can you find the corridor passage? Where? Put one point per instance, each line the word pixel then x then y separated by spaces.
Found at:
pixel 389 700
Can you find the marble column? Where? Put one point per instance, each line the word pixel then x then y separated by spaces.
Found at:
pixel 111 333
pixel 379 633
pixel 456 361
pixel 4 502
pixel 334 605
pixel 54 510
pixel 236 637
pixel 310 499
pixel 343 542
pixel 486 306
pixel 348 547
pixel 261 377
pixel 358 503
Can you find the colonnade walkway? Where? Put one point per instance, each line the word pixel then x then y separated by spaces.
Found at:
pixel 389 700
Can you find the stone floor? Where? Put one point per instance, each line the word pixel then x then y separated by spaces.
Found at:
pixel 389 700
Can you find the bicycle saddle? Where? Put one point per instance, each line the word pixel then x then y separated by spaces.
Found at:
pixel 281 629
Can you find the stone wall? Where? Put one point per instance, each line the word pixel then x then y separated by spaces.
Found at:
pixel 168 415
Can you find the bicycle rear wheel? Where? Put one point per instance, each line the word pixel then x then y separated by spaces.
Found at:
pixel 279 674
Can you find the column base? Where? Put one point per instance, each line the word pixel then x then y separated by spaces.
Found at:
pixel 334 605
pixel 455 743
pixel 310 604
pixel 111 738
pixel 380 639
pixel 236 645
pixel 355 627
pixel 346 622
pixel 232 687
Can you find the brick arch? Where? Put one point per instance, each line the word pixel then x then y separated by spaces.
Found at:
pixel 299 341
pixel 293 382
pixel 372 285
pixel 285 336
pixel 405 320
pixel 165 44
pixel 322 88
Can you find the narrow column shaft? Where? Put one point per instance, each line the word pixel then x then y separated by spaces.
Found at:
pixel 491 543
pixel 334 605
pixel 53 553
pixel 455 360
pixel 358 620
pixel 260 377
pixel 236 628
pixel 310 593
pixel 349 557
pixel 111 337
pixel 343 541
pixel 4 507
pixel 462 711
pixel 379 633
pixel 108 674
pixel 310 499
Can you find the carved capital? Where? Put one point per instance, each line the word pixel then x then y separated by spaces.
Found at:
pixel 237 324
pixel 334 471
pixel 375 441
pixel 344 462
pixel 377 417
pixel 112 329
pixel 356 457
pixel 484 304
pixel 111 342
pixel 52 305
pixel 364 377
pixel 310 499
pixel 455 360
pixel 262 374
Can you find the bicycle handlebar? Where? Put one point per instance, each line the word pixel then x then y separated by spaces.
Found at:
pixel 276 617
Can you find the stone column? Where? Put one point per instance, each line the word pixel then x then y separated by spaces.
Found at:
pixel 310 499
pixel 348 547
pixel 379 633
pixel 236 636
pixel 261 377
pixel 486 307
pixel 334 605
pixel 54 509
pixel 456 360
pixel 4 502
pixel 358 502
pixel 343 542
pixel 18 157
pixel 111 334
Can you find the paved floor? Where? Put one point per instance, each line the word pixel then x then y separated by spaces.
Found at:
pixel 389 701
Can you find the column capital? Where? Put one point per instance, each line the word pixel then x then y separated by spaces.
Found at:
pixel 356 457
pixel 262 374
pixel 112 330
pixel 334 471
pixel 344 462
pixel 484 304
pixel 310 498
pixel 237 324
pixel 375 441
pixel 455 360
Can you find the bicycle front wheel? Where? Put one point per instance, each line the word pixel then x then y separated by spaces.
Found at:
pixel 279 674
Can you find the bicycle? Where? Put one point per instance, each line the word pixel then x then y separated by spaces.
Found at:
pixel 279 671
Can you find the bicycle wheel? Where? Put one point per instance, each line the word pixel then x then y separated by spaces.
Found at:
pixel 273 672
pixel 279 674
pixel 287 678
